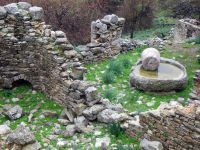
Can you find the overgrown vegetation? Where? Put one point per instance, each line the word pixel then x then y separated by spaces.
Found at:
pixel 119 91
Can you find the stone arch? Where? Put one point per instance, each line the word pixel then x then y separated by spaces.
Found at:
pixel 20 80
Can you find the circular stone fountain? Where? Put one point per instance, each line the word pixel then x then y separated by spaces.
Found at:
pixel 156 74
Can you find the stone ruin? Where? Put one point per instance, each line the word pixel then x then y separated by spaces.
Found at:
pixel 106 40
pixel 186 29
pixel 30 50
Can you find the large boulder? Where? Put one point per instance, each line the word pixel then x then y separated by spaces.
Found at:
pixel 37 13
pixel 150 145
pixel 21 136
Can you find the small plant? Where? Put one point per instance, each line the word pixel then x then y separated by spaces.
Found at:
pixel 110 94
pixel 116 67
pixel 7 93
pixel 108 77
pixel 126 62
pixel 115 129
pixel 57 49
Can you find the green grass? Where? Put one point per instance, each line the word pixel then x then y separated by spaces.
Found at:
pixel 28 101
pixel 132 99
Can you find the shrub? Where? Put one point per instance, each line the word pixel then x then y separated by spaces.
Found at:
pixel 110 94
pixel 108 77
pixel 115 129
pixel 126 62
pixel 116 67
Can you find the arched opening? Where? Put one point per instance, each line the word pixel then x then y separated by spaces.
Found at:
pixel 21 82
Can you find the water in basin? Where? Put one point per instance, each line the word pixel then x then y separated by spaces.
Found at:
pixel 165 71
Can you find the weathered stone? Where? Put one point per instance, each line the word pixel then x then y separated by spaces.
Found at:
pixel 3 12
pixel 70 131
pixel 60 34
pixel 11 8
pixel 150 145
pixel 81 120
pixel 186 29
pixel 91 113
pixel 150 59
pixel 37 13
pixel 50 113
pixel 102 142
pixel 91 93
pixel 34 146
pixel 79 109
pixel 66 114
pixel 113 19
pixel 24 5
pixel 109 116
pixel 21 136
pixel 4 129
pixel 14 113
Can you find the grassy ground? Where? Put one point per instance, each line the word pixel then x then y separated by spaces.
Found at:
pixel 116 86
pixel 161 28
pixel 43 127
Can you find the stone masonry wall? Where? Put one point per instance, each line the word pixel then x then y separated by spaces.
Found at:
pixel 186 29
pixel 177 127
pixel 106 40
pixel 32 51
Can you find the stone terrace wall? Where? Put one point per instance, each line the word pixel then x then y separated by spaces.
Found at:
pixel 177 127
pixel 32 51
pixel 186 29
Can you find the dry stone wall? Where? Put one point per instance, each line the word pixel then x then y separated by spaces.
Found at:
pixel 106 40
pixel 30 50
pixel 186 29
pixel 177 127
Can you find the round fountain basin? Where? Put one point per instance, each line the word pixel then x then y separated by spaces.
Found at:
pixel 171 75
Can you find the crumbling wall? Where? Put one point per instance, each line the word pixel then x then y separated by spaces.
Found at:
pixel 186 29
pixel 177 127
pixel 106 40
pixel 32 51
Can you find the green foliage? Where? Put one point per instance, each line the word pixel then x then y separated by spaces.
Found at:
pixel 196 40
pixel 115 129
pixel 126 62
pixel 110 94
pixel 133 99
pixel 57 49
pixel 116 67
pixel 108 77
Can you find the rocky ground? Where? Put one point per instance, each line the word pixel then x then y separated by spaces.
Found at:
pixel 30 121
